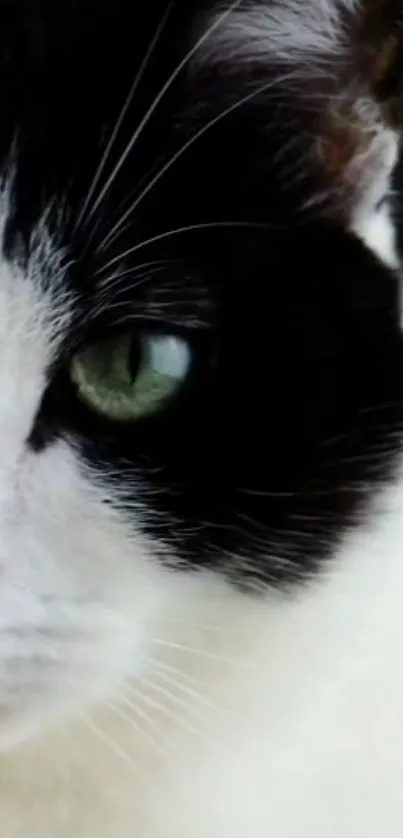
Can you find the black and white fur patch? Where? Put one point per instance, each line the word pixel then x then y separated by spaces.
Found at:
pixel 200 609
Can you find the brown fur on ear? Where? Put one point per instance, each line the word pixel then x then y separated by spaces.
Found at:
pixel 337 70
pixel 380 36
pixel 364 100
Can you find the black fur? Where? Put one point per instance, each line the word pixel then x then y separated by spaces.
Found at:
pixel 288 421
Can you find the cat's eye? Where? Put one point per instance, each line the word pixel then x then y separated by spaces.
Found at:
pixel 131 376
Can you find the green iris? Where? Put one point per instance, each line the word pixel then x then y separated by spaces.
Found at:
pixel 107 381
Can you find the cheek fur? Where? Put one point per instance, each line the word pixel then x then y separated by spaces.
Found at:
pixel 78 580
pixel 79 588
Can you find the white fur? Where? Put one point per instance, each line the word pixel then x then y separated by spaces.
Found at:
pixel 72 574
pixel 288 31
pixel 304 737
pixel 377 230
pixel 206 712
pixel 372 216
pixel 199 711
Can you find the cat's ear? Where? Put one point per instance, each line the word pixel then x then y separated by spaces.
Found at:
pixel 337 67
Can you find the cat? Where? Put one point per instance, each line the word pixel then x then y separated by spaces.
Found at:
pixel 201 378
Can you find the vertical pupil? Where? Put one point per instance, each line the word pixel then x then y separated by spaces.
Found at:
pixel 135 357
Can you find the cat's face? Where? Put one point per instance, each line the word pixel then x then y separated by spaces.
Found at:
pixel 199 365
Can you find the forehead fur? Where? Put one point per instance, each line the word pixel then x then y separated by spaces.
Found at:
pixel 286 31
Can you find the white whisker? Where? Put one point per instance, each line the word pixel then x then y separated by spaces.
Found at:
pixel 205 627
pixel 138 729
pixel 165 88
pixel 160 666
pixel 177 231
pixel 139 281
pixel 168 694
pixel 119 123
pixel 178 154
pixel 169 644
pixel 165 710
pixel 155 264
pixel 184 688
pixel 100 734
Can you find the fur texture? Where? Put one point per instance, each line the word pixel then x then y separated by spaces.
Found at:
pixel 200 612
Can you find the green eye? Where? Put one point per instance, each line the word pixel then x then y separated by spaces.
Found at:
pixel 127 378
